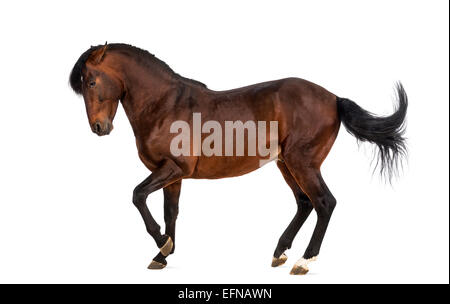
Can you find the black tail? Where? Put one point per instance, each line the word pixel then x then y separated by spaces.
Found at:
pixel 385 132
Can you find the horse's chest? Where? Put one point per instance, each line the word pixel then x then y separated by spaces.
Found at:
pixel 150 157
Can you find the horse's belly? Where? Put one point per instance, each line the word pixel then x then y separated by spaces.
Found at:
pixel 225 166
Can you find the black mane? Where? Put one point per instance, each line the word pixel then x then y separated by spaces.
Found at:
pixel 76 74
pixel 140 55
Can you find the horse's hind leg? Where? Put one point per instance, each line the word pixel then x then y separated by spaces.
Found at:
pixel 304 208
pixel 311 181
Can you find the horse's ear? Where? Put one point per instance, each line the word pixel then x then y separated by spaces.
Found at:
pixel 98 55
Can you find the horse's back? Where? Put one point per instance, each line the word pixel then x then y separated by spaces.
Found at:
pixel 297 104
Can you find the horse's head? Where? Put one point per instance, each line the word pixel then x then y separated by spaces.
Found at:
pixel 100 87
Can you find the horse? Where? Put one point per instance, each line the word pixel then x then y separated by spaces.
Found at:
pixel 308 119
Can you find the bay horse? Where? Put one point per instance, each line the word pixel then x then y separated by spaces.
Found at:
pixel 308 118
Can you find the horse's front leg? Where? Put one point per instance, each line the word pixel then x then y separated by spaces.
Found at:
pixel 171 198
pixel 164 176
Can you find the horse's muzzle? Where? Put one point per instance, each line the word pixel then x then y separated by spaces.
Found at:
pixel 101 128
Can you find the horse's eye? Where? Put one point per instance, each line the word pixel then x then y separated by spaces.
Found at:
pixel 92 84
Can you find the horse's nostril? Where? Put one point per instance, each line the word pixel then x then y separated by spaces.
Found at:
pixel 97 127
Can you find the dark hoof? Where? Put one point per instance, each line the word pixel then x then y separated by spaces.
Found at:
pixel 279 261
pixel 156 265
pixel 299 270
pixel 167 247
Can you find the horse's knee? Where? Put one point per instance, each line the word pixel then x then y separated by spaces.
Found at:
pixel 325 205
pixel 303 202
pixel 301 197
pixel 305 206
pixel 138 196
pixel 332 203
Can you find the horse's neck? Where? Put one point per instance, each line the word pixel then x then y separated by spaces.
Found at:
pixel 146 88
pixel 142 92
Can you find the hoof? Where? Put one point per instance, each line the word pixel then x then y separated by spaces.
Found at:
pixel 156 265
pixel 167 247
pixel 299 270
pixel 301 267
pixel 279 261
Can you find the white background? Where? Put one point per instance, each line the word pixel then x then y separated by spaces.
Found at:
pixel 65 202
